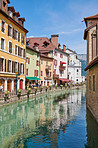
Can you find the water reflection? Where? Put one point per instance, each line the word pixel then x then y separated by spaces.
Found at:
pixel 43 121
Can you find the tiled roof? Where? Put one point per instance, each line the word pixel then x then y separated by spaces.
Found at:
pixel 91 17
pixel 92 63
pixel 40 41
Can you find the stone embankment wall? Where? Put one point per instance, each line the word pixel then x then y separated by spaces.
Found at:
pixel 92 96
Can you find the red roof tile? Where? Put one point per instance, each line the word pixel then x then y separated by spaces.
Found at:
pixel 91 17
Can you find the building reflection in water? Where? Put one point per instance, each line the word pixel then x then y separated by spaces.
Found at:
pixel 39 121
pixel 92 130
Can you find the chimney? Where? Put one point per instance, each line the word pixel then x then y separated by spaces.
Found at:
pixel 64 48
pixel 54 40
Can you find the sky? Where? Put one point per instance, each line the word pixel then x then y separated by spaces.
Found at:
pixel 64 17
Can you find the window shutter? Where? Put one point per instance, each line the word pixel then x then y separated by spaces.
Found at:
pixel 18 36
pixel 5 65
pixel 18 68
pixel 37 72
pixel 8 66
pixel 34 73
pixel 23 68
pixel 28 60
pixel 8 30
pixel 18 50
pixel 13 33
pixel 26 71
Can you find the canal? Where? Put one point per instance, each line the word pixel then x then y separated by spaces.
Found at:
pixel 58 120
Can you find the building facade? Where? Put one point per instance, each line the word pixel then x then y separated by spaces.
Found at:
pixel 91 35
pixel 74 67
pixel 32 62
pixel 46 70
pixel 51 48
pixel 12 47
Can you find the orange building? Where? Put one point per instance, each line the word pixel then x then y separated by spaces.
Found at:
pixel 12 47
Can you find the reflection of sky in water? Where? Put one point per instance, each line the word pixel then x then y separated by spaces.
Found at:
pixel 56 120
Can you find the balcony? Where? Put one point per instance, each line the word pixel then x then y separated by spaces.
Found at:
pixel 48 67
pixel 61 67
pixel 56 76
pixel 47 78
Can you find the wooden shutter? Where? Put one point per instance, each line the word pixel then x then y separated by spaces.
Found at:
pixel 23 68
pixel 13 33
pixel 18 36
pixel 18 68
pixel 13 67
pixel 8 30
pixel 37 72
pixel 26 71
pixel 8 66
pixel 28 60
pixel 5 65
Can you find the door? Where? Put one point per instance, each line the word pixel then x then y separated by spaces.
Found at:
pixel 9 84
pixel 21 84
pixel 2 83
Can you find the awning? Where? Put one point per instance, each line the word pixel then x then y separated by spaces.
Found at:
pixel 33 78
pixel 63 62
pixel 65 80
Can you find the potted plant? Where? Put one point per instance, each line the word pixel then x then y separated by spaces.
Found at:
pixel 41 88
pixel 6 95
pixel 28 92
pixel 46 88
pixel 50 87
pixel 56 86
pixel 19 93
pixel 35 90
pixel 61 86
pixel 65 85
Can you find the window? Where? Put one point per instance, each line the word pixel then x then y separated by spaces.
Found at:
pixel 55 53
pixel 47 63
pixel 24 53
pixel 10 14
pixel 21 68
pixel 1 64
pixel 16 35
pixel 2 27
pixel 37 63
pixel 41 61
pixel 90 82
pixel 27 60
pixel 10 30
pixel 9 66
pixel 27 71
pixel 41 73
pixel 16 49
pixel 77 70
pixel 50 74
pixel 16 66
pixel 35 73
pixel 10 47
pixel 94 83
pixel 22 38
pixel 2 43
pixel 61 55
pixel 77 80
pixel 55 62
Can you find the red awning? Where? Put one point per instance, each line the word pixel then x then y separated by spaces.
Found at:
pixel 63 62
pixel 65 80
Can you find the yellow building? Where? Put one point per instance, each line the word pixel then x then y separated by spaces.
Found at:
pixel 46 70
pixel 12 47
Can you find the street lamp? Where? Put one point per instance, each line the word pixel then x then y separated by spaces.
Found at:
pixel 17 74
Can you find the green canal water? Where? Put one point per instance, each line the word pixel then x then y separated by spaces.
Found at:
pixel 58 120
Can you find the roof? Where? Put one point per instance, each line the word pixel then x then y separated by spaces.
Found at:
pixel 17 14
pixel 12 20
pixel 88 28
pixel 40 41
pixel 27 47
pixel 11 8
pixel 71 50
pixel 41 47
pixel 92 63
pixel 43 55
pixel 90 18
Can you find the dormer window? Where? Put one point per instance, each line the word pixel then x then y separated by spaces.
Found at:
pixel 45 44
pixel 35 45
pixel 4 4
pixel 10 14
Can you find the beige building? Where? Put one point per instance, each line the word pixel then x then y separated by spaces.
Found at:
pixel 91 35
pixel 46 70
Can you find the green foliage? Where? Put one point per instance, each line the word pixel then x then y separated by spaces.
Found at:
pixel 61 86
pixel 6 93
pixel 29 90
pixel 19 91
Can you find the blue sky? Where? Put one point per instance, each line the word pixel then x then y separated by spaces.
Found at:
pixel 63 17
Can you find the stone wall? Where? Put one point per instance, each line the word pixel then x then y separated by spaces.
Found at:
pixel 92 96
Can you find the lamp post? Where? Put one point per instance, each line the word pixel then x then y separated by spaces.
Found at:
pixel 17 74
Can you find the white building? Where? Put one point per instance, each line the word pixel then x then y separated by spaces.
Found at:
pixel 74 67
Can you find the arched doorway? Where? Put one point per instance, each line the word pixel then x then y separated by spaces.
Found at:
pixel 9 84
pixel 21 84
